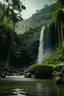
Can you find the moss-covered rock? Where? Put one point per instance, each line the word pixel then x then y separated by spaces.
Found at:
pixel 41 71
pixel 59 80
pixel 58 74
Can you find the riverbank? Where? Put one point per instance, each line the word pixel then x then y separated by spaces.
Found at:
pixel 53 68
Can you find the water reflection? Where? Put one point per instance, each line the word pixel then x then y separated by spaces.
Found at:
pixel 61 90
pixel 38 89
pixel 42 89
pixel 30 88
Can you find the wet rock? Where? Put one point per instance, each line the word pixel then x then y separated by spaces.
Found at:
pixel 59 80
pixel 27 74
pixel 3 75
pixel 59 74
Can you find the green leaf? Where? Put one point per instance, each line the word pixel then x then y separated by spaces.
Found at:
pixel 55 7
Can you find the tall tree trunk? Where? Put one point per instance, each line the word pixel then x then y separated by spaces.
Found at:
pixel 2 18
pixel 62 35
pixel 14 26
pixel 8 57
pixel 59 26
pixel 4 11
pixel 10 48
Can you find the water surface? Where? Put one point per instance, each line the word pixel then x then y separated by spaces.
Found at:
pixel 20 86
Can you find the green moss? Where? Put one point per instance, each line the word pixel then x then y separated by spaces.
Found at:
pixel 56 59
pixel 41 71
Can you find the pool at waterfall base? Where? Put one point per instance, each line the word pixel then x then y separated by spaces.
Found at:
pixel 20 86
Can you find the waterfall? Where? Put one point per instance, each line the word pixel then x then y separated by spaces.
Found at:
pixel 48 43
pixel 40 51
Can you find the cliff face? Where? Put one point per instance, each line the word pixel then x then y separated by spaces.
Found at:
pixel 30 44
pixel 28 48
pixel 25 46
pixel 50 37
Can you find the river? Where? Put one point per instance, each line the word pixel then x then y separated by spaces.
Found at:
pixel 20 86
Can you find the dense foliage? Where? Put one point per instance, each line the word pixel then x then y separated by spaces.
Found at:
pixel 12 10
pixel 19 54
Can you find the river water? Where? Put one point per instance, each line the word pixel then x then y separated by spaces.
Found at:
pixel 20 86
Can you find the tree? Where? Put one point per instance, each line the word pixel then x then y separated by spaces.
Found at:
pixel 61 3
pixel 37 10
pixel 15 17
pixel 46 5
pixel 60 22
pixel 4 11
pixel 13 10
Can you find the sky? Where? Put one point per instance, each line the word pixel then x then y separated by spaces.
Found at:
pixel 33 5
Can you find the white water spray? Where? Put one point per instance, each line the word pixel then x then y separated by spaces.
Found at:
pixel 40 53
pixel 44 50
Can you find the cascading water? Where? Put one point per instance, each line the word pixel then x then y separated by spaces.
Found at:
pixel 48 43
pixel 40 53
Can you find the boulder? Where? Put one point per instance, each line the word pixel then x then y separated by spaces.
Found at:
pixel 59 80
pixel 27 74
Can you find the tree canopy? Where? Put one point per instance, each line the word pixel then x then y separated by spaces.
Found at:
pixel 61 2
pixel 13 9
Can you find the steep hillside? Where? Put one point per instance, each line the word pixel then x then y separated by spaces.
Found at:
pixel 27 48
pixel 24 50
pixel 40 18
